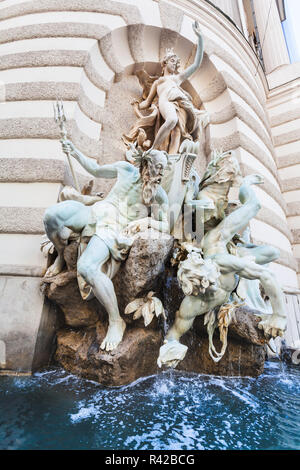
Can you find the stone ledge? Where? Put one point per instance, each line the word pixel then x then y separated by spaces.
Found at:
pixel 27 170
pixel 22 220
pixel 50 58
pixel 79 352
pixel 296 235
pixel 287 138
pixel 290 184
pixel 130 13
pixel 21 270
pixel 245 353
pixel 50 30
pixel 31 91
pixel 293 208
pixel 285 117
pixel 288 160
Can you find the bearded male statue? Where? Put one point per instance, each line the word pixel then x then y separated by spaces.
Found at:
pixel 135 203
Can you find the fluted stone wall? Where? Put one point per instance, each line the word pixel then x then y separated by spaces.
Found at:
pixel 85 52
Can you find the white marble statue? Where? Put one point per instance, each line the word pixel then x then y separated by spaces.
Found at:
pixel 136 202
pixel 170 114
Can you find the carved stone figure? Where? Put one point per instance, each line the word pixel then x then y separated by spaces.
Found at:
pixel 222 173
pixel 165 98
pixel 153 189
pixel 208 281
pixel 135 203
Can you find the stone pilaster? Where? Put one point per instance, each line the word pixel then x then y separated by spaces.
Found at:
pixel 272 40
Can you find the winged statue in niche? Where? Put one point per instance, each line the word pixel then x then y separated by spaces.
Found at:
pixel 166 113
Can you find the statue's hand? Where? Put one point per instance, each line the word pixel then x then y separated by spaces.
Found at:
pixel 67 146
pixel 196 28
pixel 273 325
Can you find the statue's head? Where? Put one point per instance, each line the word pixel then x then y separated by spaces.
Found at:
pixel 171 62
pixel 224 166
pixel 152 167
pixel 197 275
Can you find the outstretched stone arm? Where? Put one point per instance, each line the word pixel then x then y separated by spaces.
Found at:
pixel 198 57
pixel 89 164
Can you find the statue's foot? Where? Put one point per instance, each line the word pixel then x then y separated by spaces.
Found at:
pixel 171 353
pixel 114 335
pixel 56 267
pixel 273 325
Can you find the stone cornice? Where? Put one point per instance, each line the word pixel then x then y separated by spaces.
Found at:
pixel 21 270
pixel 27 170
pixel 22 220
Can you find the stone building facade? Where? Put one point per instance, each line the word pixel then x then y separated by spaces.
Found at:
pixel 86 52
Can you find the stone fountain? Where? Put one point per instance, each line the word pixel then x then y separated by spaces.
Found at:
pixel 161 272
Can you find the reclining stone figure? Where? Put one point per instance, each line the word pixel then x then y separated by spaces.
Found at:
pixel 208 281
pixel 135 203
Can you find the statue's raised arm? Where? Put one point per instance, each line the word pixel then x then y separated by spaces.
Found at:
pixel 186 74
pixel 89 164
pixel 169 115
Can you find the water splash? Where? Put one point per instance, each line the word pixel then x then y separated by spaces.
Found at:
pixel 56 410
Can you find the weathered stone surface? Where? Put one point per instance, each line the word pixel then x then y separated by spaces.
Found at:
pixel 146 268
pixel 63 290
pixel 27 325
pixel 136 277
pixel 244 327
pixel 240 358
pixel 79 352
pixel 78 347
pixel 71 255
pixel 143 266
pixel 245 354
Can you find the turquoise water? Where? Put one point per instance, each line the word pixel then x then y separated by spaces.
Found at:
pixel 56 410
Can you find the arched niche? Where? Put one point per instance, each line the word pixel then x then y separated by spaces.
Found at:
pixel 128 49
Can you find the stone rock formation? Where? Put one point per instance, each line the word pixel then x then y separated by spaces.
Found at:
pixel 245 353
pixel 78 351
pixel 85 323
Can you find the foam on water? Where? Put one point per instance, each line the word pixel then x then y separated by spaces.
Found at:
pixel 56 410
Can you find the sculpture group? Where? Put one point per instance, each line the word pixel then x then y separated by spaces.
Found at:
pixel 209 268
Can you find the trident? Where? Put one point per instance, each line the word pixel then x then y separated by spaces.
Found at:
pixel 60 119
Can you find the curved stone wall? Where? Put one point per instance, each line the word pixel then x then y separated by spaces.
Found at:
pixel 85 52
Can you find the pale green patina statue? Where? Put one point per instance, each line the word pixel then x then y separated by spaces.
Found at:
pixel 108 225
pixel 209 271
pixel 208 281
